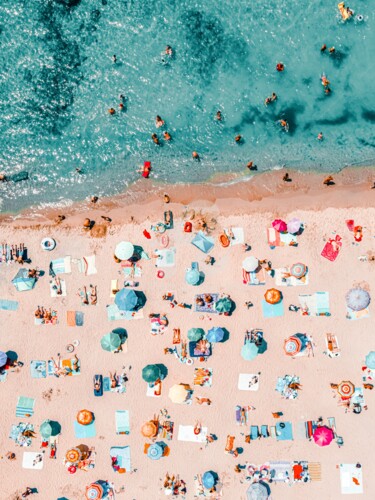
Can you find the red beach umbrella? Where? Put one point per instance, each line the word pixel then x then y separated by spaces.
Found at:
pixel 323 435
pixel 346 389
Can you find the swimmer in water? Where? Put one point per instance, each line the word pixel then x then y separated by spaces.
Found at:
pixel 327 90
pixel 332 50
pixel 3 178
pixel 267 101
pixel 280 67
pixel 325 81
pixel 323 48
pixel 111 111
pixel 238 139
pixel 94 199
pixel 169 50
pixel 320 136
pixel 159 122
pixel 274 97
pixel 155 138
pixel 114 58
pixel 195 155
pixel 284 125
pixel 251 166
pixel 218 116
pixel 167 136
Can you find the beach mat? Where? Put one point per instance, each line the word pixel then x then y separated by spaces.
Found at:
pixel 38 369
pixel 53 289
pixel 74 318
pixel 186 433
pixel 29 460
pixel 61 266
pixel 284 433
pixel 25 407
pixel 86 265
pixel 84 431
pixel 351 480
pixel 8 305
pixel 122 456
pixel 122 422
pixel 272 310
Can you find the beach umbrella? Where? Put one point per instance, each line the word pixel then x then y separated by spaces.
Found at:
pixel 250 264
pixel 223 305
pixel 3 358
pixel 249 351
pixel 72 469
pixel 151 373
pixel 85 417
pixel 323 435
pixel 94 492
pixel 346 389
pixel 370 360
pixel 209 479
pixel 279 225
pixel 124 250
pixel 149 429
pixel 73 455
pixel 272 296
pixel 215 334
pixel 292 346
pixel 178 393
pixel 126 300
pixel 195 334
pixel 110 342
pixel 257 491
pixel 192 276
pixel 204 243
pixel 84 449
pixel 298 270
pixel 294 225
pixel 357 299
pixel 155 451
pixel 22 281
pixel 50 428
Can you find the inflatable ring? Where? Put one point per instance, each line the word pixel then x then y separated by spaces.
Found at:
pixel 75 343
pixel 189 361
pixel 360 18
pixel 165 240
pixel 48 244
pixel 70 348
pixel 160 274
pixel 224 240
pixel 159 228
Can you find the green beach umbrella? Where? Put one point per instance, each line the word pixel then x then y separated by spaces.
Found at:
pixel 223 305
pixel 110 342
pixel 249 351
pixel 151 373
pixel 50 428
pixel 195 334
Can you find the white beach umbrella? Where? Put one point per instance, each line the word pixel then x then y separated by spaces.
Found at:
pixel 250 264
pixel 124 250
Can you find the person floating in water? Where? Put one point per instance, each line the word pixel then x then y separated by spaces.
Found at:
pixel 155 138
pixel 270 99
pixel 168 50
pixel 251 166
pixel 114 58
pixel 195 155
pixel 238 139
pixel 284 124
pixel 167 136
pixel 280 67
pixel 320 136
pixel 146 169
pixel 159 122
pixel 111 111
pixel 324 80
pixel 218 116
pixel 323 48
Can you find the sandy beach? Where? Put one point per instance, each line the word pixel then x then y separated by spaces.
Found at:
pixel 251 206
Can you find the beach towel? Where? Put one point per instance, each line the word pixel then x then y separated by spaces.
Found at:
pixel 283 471
pixel 203 377
pixel 280 280
pixel 351 479
pixel 254 432
pixel 166 430
pixel 248 382
pixel 238 233
pixel 238 410
pixel 276 239
pixel 254 278
pixel 166 257
pixel 350 314
pixel 196 353
pixel 122 422
pixel 132 271
pixel 61 266
pixel 284 431
pixel 84 431
pixel 8 305
pixel 38 369
pixel 114 313
pixel 203 242
pixel 332 248
pixel 264 431
pixel 114 286
pixel 186 433
pixel 25 407
pixel 122 456
pixel 32 460
pixel 315 471
pixel 272 310
pixel 74 318
pixel 168 215
pixel 86 265
pixel 53 289
pixel 106 384
pixel 68 363
pixel 156 327
pixel 207 307
pixel 152 392
pixel 316 304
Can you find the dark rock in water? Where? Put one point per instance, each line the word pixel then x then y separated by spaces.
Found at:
pixel 69 3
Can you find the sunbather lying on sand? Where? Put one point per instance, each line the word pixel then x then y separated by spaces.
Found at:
pixel 113 379
pixel 203 401
pixel 93 295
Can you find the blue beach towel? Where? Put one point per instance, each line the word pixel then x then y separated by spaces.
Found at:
pixel 38 369
pixel 84 431
pixel 8 305
pixel 106 384
pixel 284 433
pixel 25 407
pixel 122 422
pixel 272 310
pixel 122 455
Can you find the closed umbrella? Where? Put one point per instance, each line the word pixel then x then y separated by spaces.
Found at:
pixel 3 358
pixel 249 351
pixel 124 250
pixel 323 435
pixel 294 225
pixel 215 334
pixel 127 300
pixel 195 334
pixel 346 389
pixel 110 342
pixel 192 276
pixel 50 428
pixel 357 299
pixel 280 225
pixel 209 479
pixel 298 270
pixel 250 264
pixel 370 360
pixel 179 393
pixel 149 429
pixel 151 373
pixel 257 491
pixel 223 305
pixel 94 492
pixel 155 451
pixel 272 296
pixel 292 346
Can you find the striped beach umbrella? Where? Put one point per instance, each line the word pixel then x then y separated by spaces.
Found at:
pixel 155 451
pixel 357 299
pixel 346 389
pixel 94 492
pixel 292 346
pixel 323 435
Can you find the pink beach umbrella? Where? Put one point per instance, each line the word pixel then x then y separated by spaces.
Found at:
pixel 323 435
pixel 294 225
pixel 279 225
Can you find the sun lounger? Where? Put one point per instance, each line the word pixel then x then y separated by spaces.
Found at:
pixel 122 456
pixel 315 471
pixel 272 310
pixel 273 431
pixel 351 479
pixel 284 431
pixel 98 379
pixel 32 460
pixel 248 382
pixel 264 431
pixel 86 265
pixel 186 433
pixel 25 407
pixel 122 422
pixel 8 305
pixel 53 289
pixel 84 431
pixel 38 369
pixel 60 266
pixel 254 432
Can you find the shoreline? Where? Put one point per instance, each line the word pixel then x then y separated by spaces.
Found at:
pixel 229 195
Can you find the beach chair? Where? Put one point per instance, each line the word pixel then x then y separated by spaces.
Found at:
pixel 332 425
pixel 264 431
pixel 273 431
pixel 309 429
pixel 254 432
pixel 195 266
pixel 333 349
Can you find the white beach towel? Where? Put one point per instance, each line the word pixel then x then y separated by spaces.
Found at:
pixel 28 460
pixel 167 257
pixel 246 382
pixel 62 266
pixel 53 289
pixel 239 236
pixel 86 265
pixel 150 392
pixel 291 280
pixel 186 433
pixel 349 476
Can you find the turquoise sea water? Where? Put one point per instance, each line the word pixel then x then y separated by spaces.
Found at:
pixel 58 80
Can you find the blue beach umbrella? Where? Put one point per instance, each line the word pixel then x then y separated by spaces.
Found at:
pixel 249 351
pixel 357 299
pixel 215 334
pixel 192 276
pixel 223 305
pixel 370 360
pixel 209 479
pixel 155 451
pixel 22 281
pixel 110 342
pixel 126 300
pixel 3 358
pixel 195 334
pixel 204 243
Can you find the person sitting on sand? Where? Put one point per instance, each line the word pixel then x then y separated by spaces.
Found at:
pixel 328 181
pixel 3 178
pixel 155 138
pixel 166 198
pixel 159 122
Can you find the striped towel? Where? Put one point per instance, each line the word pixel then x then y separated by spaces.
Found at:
pixel 61 266
pixel 315 471
pixel 25 407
